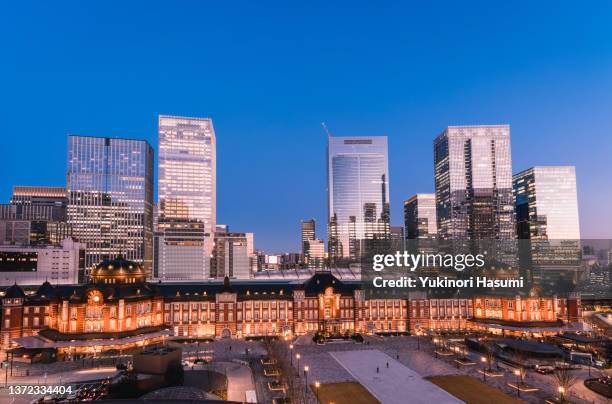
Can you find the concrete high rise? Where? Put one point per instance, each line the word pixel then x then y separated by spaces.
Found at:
pixel 473 179
pixel 110 198
pixel 232 255
pixel 358 193
pixel 187 196
pixel 420 217
pixel 546 203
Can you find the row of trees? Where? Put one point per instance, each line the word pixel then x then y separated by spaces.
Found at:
pixel 295 389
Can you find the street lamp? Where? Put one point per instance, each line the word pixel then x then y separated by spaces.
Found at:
pixel 297 356
pixel 317 385
pixel 306 375
pixel 291 354
pixel 484 371
pixel 518 382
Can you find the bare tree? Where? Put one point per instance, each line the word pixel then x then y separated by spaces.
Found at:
pixel 564 380
pixel 294 385
pixel 490 355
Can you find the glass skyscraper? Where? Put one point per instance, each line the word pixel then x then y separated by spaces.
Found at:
pixel 473 179
pixel 187 169
pixel 110 198
pixel 187 196
pixel 358 193
pixel 547 203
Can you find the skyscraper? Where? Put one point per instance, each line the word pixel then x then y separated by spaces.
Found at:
pixel 473 179
pixel 420 217
pixel 546 206
pixel 358 193
pixel 547 203
pixel 308 233
pixel 110 198
pixel 187 169
pixel 187 195
pixel 232 255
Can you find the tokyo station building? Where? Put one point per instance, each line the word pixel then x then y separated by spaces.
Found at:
pixel 119 309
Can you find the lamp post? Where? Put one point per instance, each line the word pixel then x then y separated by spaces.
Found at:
pixel 291 354
pixel 306 375
pixel 518 382
pixel 317 385
pixel 457 360
pixel 484 370
pixel 297 356
pixel 435 341
pixel 562 392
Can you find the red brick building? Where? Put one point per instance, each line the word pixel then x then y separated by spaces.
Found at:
pixel 119 309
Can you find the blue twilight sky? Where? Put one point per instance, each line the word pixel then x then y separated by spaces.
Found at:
pixel 269 73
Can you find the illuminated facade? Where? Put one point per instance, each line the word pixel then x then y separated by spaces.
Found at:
pixel 358 194
pixel 547 203
pixel 110 198
pixel 473 179
pixel 118 309
pixel 187 187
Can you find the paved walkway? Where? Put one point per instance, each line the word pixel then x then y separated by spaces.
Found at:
pixel 396 384
pixel 239 379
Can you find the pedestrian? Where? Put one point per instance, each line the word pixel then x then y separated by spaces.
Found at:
pixel 387 365
pixel 397 356
pixel 377 369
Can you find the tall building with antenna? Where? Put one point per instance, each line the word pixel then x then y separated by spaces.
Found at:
pixel 357 193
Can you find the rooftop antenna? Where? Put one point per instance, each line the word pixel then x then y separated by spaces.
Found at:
pixel 326 129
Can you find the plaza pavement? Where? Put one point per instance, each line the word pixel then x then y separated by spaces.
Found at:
pixel 396 384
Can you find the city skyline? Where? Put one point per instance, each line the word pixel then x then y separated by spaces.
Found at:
pixel 267 93
pixel 397 217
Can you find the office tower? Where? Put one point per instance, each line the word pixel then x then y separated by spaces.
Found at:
pixel 179 251
pixel 31 203
pixel 308 233
pixel 315 254
pixel 420 217
pixel 546 206
pixel 358 194
pixel 473 179
pixel 110 198
pixel 187 188
pixel 232 255
pixel 546 203
pixel 42 209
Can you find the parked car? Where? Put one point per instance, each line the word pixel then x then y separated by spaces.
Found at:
pixel 545 370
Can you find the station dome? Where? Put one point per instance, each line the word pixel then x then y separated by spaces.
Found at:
pixel 118 270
